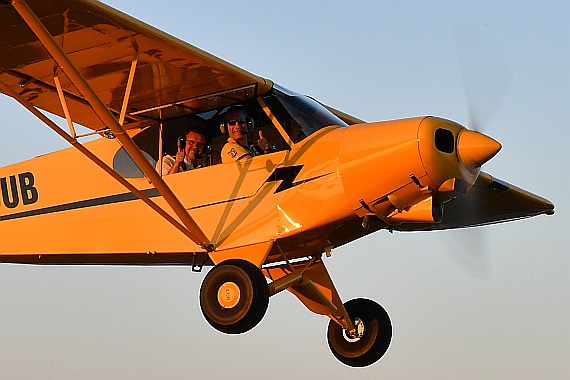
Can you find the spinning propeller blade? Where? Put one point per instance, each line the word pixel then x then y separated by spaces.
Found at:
pixel 485 77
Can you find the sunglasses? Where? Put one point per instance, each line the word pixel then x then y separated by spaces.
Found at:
pixel 232 122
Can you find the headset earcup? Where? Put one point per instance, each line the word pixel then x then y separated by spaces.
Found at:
pixel 181 142
pixel 208 148
pixel 223 127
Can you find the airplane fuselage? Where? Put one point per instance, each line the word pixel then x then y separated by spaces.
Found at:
pixel 62 204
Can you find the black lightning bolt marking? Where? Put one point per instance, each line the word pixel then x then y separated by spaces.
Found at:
pixel 287 177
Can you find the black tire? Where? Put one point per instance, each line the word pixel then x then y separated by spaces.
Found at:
pixel 375 339
pixel 234 296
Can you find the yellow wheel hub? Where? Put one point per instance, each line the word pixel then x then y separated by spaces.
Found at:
pixel 228 295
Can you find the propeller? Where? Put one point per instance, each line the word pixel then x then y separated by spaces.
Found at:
pixel 484 72
pixel 468 248
pixel 485 76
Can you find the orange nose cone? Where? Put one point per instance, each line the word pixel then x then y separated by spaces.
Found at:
pixel 474 148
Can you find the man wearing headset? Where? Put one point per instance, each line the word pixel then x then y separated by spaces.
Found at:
pixel 188 155
pixel 238 147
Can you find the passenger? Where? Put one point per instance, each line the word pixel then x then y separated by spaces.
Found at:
pixel 238 146
pixel 187 156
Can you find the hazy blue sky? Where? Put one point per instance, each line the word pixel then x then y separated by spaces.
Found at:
pixel 376 60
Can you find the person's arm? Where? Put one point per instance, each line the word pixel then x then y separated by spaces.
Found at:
pixel 177 161
pixel 167 163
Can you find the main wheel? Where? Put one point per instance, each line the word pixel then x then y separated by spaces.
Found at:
pixel 234 296
pixel 370 343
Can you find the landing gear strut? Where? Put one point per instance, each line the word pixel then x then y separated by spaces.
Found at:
pixel 234 296
pixel 371 339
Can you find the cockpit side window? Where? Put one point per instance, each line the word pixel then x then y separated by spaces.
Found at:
pixel 126 166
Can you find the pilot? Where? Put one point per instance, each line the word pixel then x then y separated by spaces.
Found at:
pixel 187 156
pixel 238 146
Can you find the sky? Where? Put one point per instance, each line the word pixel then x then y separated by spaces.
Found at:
pixel 507 63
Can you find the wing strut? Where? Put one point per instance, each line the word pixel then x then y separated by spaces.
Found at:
pixel 129 84
pixel 48 42
pixel 64 105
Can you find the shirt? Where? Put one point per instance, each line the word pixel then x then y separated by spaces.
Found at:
pixel 233 151
pixel 168 162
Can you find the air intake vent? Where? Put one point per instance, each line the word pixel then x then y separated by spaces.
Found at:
pixel 444 140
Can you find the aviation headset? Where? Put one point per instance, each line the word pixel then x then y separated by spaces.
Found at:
pixel 223 122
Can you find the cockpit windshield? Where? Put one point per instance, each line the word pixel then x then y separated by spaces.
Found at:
pixel 306 113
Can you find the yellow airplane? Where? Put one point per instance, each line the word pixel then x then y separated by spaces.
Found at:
pixel 263 222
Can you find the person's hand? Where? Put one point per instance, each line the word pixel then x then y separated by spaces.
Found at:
pixel 179 158
pixel 264 144
pixel 178 161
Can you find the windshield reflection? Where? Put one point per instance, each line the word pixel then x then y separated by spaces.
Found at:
pixel 307 113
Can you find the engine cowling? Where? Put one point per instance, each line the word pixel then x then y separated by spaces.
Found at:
pixel 404 170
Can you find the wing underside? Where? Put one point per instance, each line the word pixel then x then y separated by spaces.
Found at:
pixel 489 201
pixel 171 77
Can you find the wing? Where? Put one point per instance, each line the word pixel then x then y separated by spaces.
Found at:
pixel 489 201
pixel 171 77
